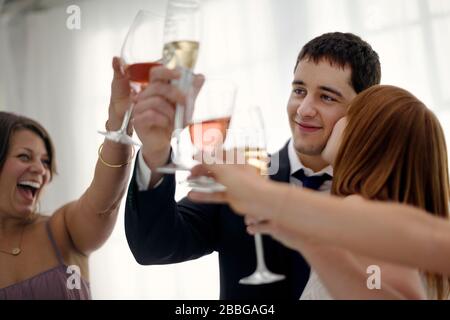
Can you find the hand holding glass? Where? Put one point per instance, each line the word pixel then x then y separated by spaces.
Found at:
pixel 181 38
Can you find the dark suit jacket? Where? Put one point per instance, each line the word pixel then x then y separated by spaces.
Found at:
pixel 162 231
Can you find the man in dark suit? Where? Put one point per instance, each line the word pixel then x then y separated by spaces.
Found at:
pixel 329 72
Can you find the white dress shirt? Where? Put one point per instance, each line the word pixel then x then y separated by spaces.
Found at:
pixel 144 174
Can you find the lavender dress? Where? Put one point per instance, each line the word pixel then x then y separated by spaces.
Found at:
pixel 48 285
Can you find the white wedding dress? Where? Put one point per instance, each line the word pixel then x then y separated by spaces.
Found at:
pixel 315 290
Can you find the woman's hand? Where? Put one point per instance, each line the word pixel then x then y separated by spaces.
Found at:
pixel 290 238
pixel 120 97
pixel 249 194
pixel 243 182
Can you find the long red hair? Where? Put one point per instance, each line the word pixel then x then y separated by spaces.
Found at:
pixel 393 149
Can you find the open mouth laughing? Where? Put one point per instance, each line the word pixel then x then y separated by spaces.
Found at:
pixel 28 189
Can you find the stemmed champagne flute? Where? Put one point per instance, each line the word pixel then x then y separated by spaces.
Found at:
pixel 252 139
pixel 141 51
pixel 181 38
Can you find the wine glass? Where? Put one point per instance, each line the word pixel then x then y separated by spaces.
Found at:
pixel 141 51
pixel 182 39
pixel 251 138
pixel 208 127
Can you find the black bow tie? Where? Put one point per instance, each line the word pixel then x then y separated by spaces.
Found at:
pixel 313 182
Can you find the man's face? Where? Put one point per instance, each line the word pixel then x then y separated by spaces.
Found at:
pixel 319 98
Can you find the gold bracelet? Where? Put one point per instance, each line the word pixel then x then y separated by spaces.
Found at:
pixel 113 165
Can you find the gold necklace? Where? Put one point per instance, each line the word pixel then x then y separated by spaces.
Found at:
pixel 17 250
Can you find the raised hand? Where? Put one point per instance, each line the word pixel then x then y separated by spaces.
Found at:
pixel 120 96
pixel 154 113
pixel 242 183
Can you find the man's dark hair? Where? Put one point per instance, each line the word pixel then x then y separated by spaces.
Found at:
pixel 345 49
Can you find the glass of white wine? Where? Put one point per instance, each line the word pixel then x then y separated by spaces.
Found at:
pixel 250 137
pixel 182 39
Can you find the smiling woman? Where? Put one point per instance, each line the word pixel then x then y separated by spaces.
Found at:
pixel 38 254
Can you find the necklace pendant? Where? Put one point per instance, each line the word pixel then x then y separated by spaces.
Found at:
pixel 16 251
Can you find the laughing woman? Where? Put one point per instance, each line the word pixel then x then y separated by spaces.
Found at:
pixel 36 250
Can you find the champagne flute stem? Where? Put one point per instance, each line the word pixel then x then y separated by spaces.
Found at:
pixel 179 117
pixel 178 127
pixel 126 118
pixel 183 84
pixel 260 263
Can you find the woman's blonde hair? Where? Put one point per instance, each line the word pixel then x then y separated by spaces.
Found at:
pixel 393 149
